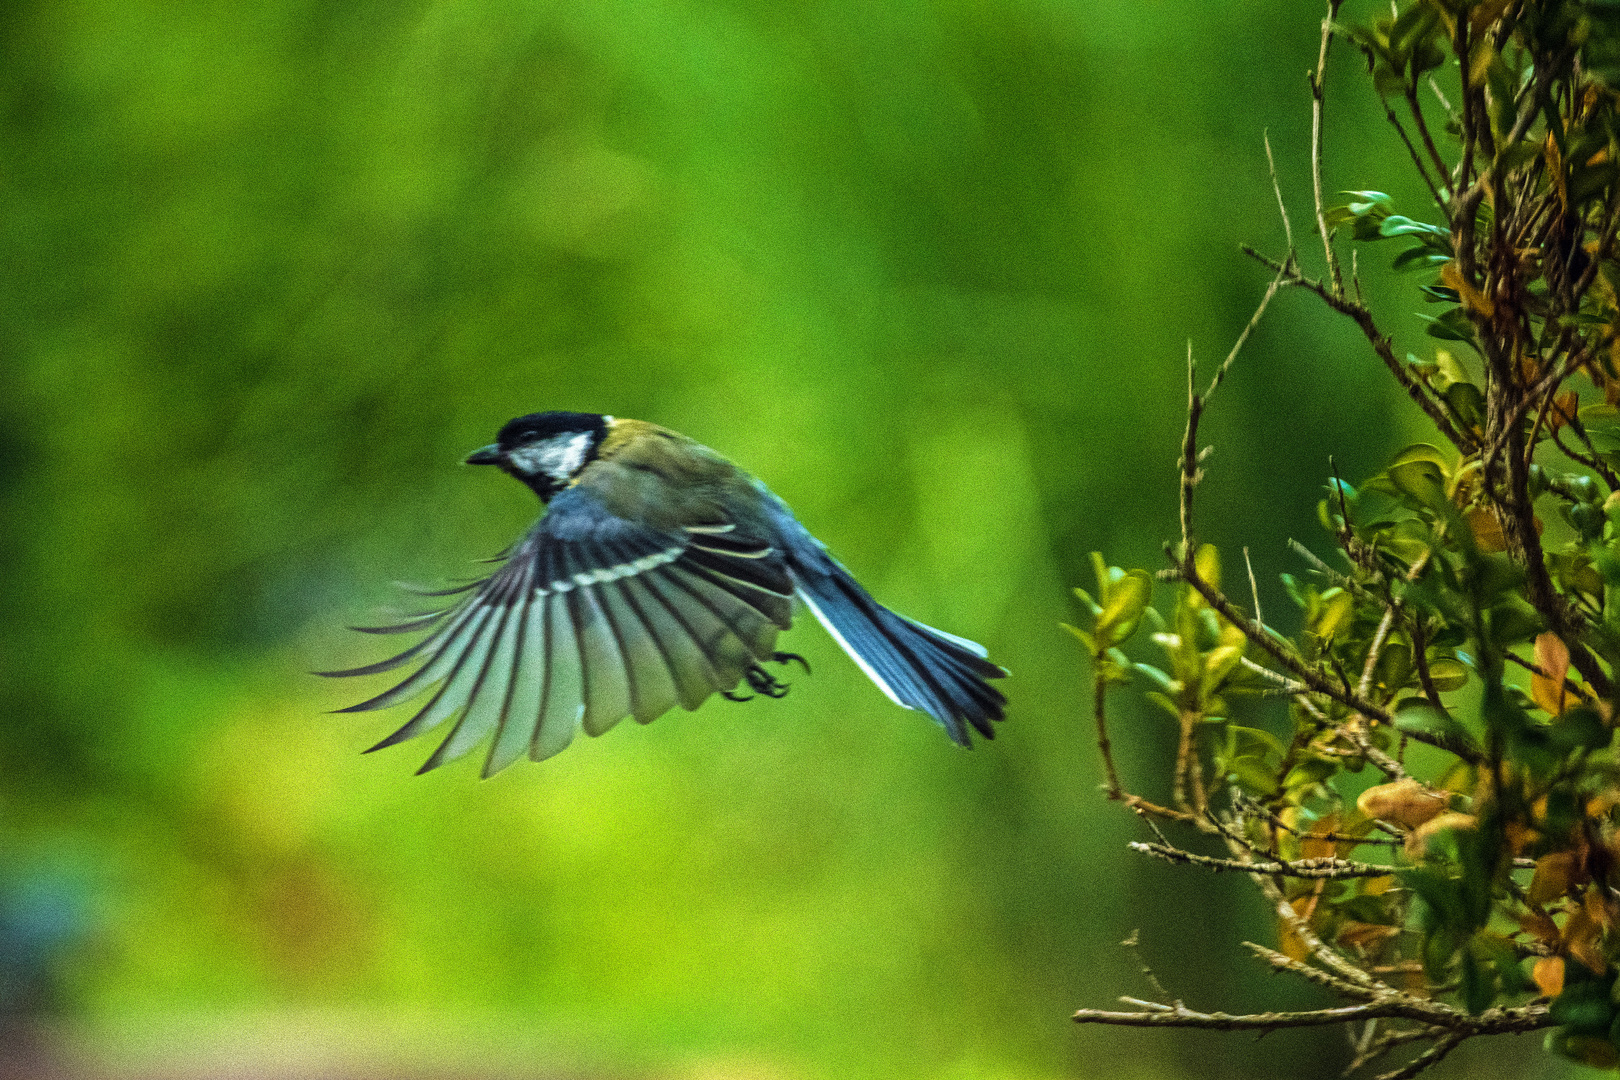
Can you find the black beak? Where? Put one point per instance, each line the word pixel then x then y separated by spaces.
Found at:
pixel 487 455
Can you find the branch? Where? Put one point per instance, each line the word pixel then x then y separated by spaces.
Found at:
pixel 1381 345
pixel 1310 974
pixel 1490 1022
pixel 1317 78
pixel 1328 867
pixel 1445 1045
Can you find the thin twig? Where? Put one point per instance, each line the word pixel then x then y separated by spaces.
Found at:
pixel 1381 345
pixel 1282 211
pixel 1364 687
pixel 1403 1006
pixel 1417 158
pixel 1099 701
pixel 1254 587
pixel 1327 867
pixel 1318 80
pixel 1445 1045
pixel 1282 962
pixel 1388 1041
pixel 1133 944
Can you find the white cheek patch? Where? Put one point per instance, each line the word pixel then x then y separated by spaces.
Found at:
pixel 558 457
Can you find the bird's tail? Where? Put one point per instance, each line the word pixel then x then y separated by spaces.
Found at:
pixel 915 665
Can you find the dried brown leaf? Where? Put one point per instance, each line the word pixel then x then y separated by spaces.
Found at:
pixel 1404 802
pixel 1417 842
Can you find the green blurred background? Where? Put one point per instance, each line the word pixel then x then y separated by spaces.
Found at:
pixel 930 268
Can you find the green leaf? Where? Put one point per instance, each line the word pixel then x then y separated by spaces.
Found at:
pixel 1584 1008
pixel 1447 674
pixel 1303 594
pixel 1219 664
pixel 1520 153
pixel 1451 326
pixel 1395 225
pixel 1467 403
pixel 1311 772
pixel 1366 202
pixel 1420 258
pixel 1423 481
pixel 1086 639
pixel 1581 728
pixel 1254 774
pixel 1123 604
pixel 1158 677
pixel 1249 740
pixel 1337 608
pixel 1418 717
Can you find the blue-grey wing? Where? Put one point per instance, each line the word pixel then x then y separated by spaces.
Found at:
pixel 590 619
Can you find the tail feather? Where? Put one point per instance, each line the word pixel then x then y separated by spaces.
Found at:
pixel 917 666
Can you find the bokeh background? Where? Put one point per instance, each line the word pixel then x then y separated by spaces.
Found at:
pixel 930 267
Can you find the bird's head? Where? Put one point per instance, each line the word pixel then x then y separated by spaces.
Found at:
pixel 545 450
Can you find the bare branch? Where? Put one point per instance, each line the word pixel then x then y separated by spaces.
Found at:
pixel 1300 868
pixel 1445 1045
pixel 1381 345
pixel 1318 79
pixel 1282 211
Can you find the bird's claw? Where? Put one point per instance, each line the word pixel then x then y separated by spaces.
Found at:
pixel 761 681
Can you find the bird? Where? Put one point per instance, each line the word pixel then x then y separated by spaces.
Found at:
pixel 658 574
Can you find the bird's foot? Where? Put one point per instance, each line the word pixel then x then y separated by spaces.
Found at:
pixel 761 681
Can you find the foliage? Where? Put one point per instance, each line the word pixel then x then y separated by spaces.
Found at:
pixel 1438 827
pixel 270 274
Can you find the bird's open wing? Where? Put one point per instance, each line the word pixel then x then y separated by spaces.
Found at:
pixel 592 618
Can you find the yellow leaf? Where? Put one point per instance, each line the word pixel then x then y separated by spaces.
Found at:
pixel 1555 169
pixel 1563 409
pixel 1553 875
pixel 1479 64
pixel 1289 943
pixel 1337 608
pixel 1378 886
pixel 1312 846
pixel 1486 14
pixel 1581 934
pixel 1472 298
pixel 1598 909
pixel 1600 804
pixel 1518 837
pixel 1552 657
pixel 1487 530
pixel 1549 975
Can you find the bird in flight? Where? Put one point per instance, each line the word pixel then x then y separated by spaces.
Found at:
pixel 659 574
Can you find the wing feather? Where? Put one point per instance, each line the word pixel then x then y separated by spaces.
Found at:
pixel 592 618
pixel 486 702
pixel 460 666
pixel 563 700
pixel 652 686
pixel 752 628
pixel 607 688
pixel 693 674
pixel 520 713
